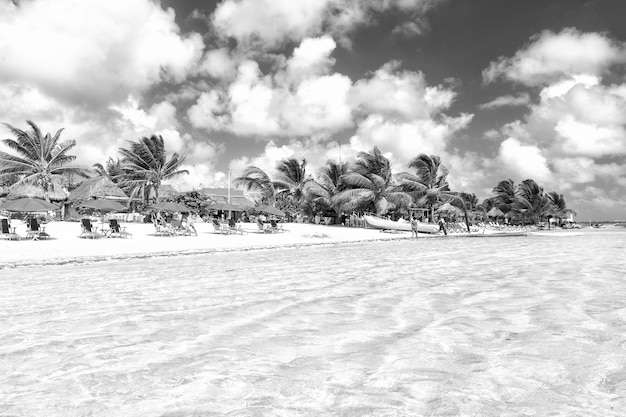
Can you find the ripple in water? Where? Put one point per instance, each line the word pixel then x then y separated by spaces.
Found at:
pixel 446 327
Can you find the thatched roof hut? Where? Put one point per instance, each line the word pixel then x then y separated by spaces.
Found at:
pixel 98 187
pixel 56 192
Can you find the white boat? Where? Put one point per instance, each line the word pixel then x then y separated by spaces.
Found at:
pixel 384 224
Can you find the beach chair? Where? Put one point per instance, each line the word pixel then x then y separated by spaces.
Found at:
pixel 161 227
pixel 261 227
pixel 220 228
pixel 35 230
pixel 6 232
pixel 234 227
pixel 117 230
pixel 275 227
pixel 87 230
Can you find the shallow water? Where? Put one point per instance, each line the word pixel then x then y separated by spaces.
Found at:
pixel 516 326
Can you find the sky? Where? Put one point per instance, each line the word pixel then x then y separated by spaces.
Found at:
pixel 498 89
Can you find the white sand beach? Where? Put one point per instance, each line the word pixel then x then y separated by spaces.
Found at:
pixel 66 246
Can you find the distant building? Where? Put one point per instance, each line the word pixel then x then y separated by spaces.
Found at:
pixel 221 195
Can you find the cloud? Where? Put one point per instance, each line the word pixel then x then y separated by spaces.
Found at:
pixel 91 51
pixel 524 161
pixel 507 101
pixel 550 57
pixel 573 138
pixel 268 24
pixel 218 63
pixel 300 98
pixel 397 93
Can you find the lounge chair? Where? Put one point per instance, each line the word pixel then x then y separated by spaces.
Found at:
pixel 6 232
pixel 261 227
pixel 275 227
pixel 117 230
pixel 87 230
pixel 235 228
pixel 36 231
pixel 221 228
pixel 161 227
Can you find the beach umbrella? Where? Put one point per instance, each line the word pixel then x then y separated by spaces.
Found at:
pixel 267 209
pixel 171 206
pixel 103 206
pixel 226 206
pixel 28 205
pixel 495 212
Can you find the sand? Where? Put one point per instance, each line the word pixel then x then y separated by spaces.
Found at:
pixel 66 246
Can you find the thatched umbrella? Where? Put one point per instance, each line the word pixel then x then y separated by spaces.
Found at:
pixel 495 212
pixel 99 188
pixel 447 207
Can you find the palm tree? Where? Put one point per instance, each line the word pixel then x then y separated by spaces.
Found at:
pixel 531 201
pixel 429 184
pixel 146 166
pixel 559 205
pixel 40 160
pixel 291 178
pixel 112 169
pixel 327 186
pixel 505 195
pixel 257 184
pixel 369 184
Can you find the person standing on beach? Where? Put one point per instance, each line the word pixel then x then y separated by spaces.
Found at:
pixel 442 226
pixel 414 226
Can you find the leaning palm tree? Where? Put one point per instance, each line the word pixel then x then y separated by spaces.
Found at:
pixel 370 184
pixel 257 184
pixel 146 166
pixel 505 195
pixel 291 178
pixel 38 159
pixel 559 205
pixel 327 185
pixel 429 185
pixel 531 201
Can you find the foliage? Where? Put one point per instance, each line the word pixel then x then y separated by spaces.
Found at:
pixel 145 165
pixel 429 184
pixel 327 186
pixel 197 202
pixel 370 186
pixel 38 159
pixel 112 169
pixel 257 184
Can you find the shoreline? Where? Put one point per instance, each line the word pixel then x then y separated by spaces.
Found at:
pixel 65 247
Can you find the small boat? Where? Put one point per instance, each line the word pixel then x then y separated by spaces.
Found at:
pixel 384 224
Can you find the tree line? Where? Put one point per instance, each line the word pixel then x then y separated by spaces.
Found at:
pixel 365 185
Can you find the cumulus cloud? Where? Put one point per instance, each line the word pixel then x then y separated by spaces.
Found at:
pixel 524 161
pixel 301 98
pixel 270 23
pixel 399 93
pixel 218 63
pixel 93 51
pixel 550 57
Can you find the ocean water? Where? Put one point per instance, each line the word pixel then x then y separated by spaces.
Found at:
pixel 516 326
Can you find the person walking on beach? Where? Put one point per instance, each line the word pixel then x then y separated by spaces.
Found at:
pixel 442 226
pixel 414 226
